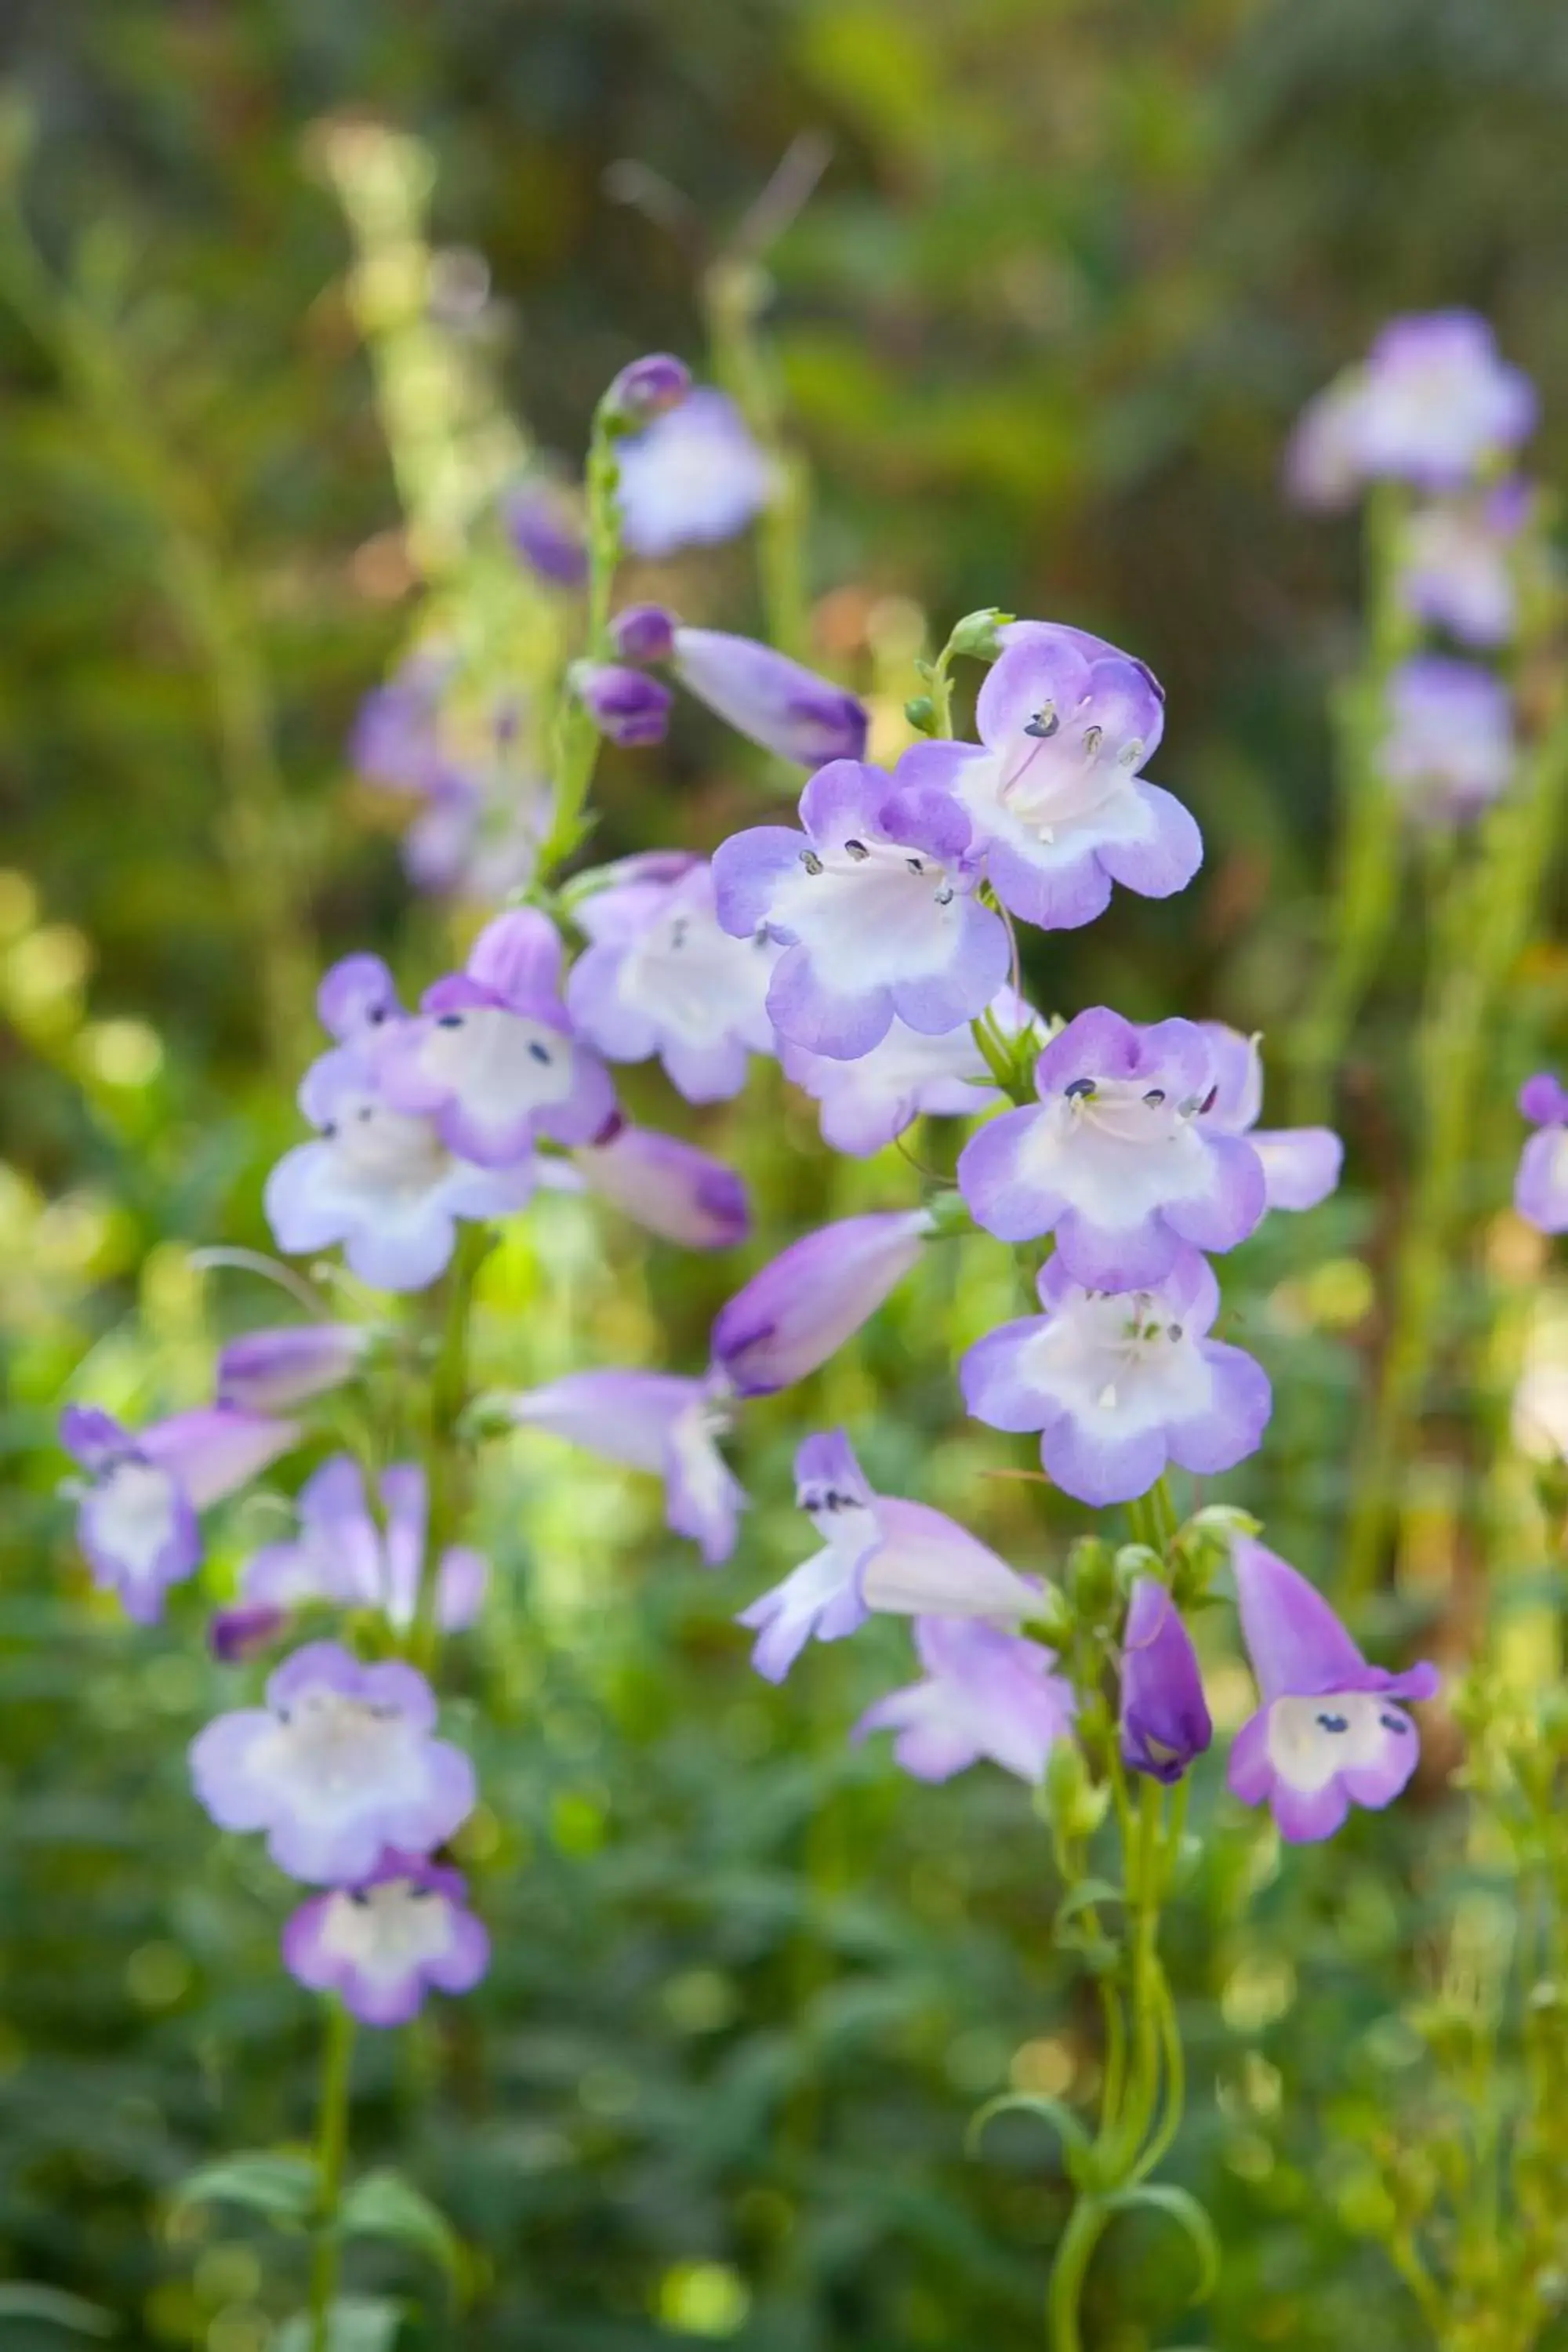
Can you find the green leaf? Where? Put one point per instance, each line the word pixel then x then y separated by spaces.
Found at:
pixel 23 2300
pixel 1078 2149
pixel 1188 2214
pixel 357 2322
pixel 384 2205
pixel 285 2187
pixel 1084 1896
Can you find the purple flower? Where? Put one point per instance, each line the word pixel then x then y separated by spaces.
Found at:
pixel 1121 1385
pixel 659 976
pixel 1432 404
pixel 643 633
pixel 137 1520
pixel 1449 748
pixel 875 907
pixel 265 1370
pixel 395 739
pixel 483 843
pixel 656 1422
pixel 381 1944
pixel 545 527
pixel 342 1554
pixel 490 1059
pixel 1164 1721
pixel 696 477
pixel 1117 1162
pixel 647 387
pixel 1541 1187
pixel 1301 1164
pixel 1058 806
pixel 761 694
pixel 864 1104
pixel 1456 563
pixel 625 705
pixel 379 1180
pixel 806 1302
pixel 1327 1735
pixel 357 995
pixel 986 1692
pixel 340 1763
pixel 878 1551
pixel 668 1187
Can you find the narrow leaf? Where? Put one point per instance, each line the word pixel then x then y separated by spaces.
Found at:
pixel 1188 2214
pixel 23 2299
pixel 1077 2147
pixel 384 2205
pixel 266 2181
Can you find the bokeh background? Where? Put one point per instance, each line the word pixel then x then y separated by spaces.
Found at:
pixel 1072 267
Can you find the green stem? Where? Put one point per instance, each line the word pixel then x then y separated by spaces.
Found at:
pixel 445 1457
pixel 575 741
pixel 736 292
pixel 332 2154
pixel 1085 2224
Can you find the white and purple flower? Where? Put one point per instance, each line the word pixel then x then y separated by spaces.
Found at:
pixel 1328 1734
pixel 1301 1164
pixel 1121 1384
pixel 381 1944
pixel 660 1423
pixel 1117 1162
pixel 1541 1187
pixel 1054 791
pixel 866 1103
pixel 1448 751
pixel 1457 563
pixel 1433 404
pixel 875 908
pixel 986 1692
pixel 693 478
pixel 803 1304
pixel 340 1763
pixel 342 1554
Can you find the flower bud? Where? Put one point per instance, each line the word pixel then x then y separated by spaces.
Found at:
pixel 978 634
pixel 1075 1805
pixel 266 1370
pixel 645 389
pixel 761 694
pixel 1164 1721
pixel 643 633
pixel 625 705
pixel 800 1309
pixel 546 532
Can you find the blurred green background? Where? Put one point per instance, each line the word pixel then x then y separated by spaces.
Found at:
pixel 1070 272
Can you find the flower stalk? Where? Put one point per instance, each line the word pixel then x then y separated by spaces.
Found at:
pixel 331 2157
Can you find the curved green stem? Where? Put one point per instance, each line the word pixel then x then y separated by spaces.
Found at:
pixel 331 2156
pixel 1068 2271
pixel 445 1456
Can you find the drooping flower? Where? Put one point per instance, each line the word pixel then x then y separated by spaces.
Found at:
pixel 342 1554
pixel 874 903
pixel 660 976
pixel 1457 563
pixel 1541 1187
pixel 1433 404
pixel 803 1306
pixel 667 1186
pixel 1120 1385
pixel 987 1692
pixel 544 525
pixel 381 1944
pixel 490 1059
pixel 266 1370
pixel 658 1421
pixel 1117 1162
pixel 694 478
pixel 1060 808
pixel 880 1551
pixel 1328 1734
pixel 137 1520
pixel 1164 1720
pixel 340 1763
pixel 866 1103
pixel 1449 749
pixel 1301 1164
pixel 764 694
pixel 648 388
pixel 379 1180
pixel 625 704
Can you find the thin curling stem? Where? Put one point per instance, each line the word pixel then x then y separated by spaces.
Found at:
pixel 575 742
pixel 331 2156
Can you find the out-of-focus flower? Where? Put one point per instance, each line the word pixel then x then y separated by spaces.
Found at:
pixel 1301 1164
pixel 265 1370
pixel 866 1103
pixel 381 1944
pixel 987 1692
pixel 648 388
pixel 880 1551
pixel 1328 1734
pixel 804 1305
pixel 1457 563
pixel 625 705
pixel 1449 747
pixel 137 1518
pixel 696 477
pixel 342 1554
pixel 1119 1386
pixel 667 1186
pixel 875 907
pixel 357 995
pixel 1433 404
pixel 491 1058
pixel 544 525
pixel 1059 809
pixel 643 633
pixel 1164 1720
pixel 338 1764
pixel 656 1422
pixel 659 976
pixel 1118 1161
pixel 396 742
pixel 1541 1187
pixel 775 702
pixel 479 816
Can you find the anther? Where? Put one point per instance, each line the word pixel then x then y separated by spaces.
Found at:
pixel 857 850
pixel 810 860
pixel 1044 724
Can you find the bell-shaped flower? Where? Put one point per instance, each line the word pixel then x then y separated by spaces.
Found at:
pixel 658 1421
pixel 340 1763
pixel 137 1516
pixel 667 1186
pixel 266 1370
pixel 1433 404
pixel 865 1104
pixel 1117 1162
pixel 1448 748
pixel 1054 791
pixel 694 478
pixel 1458 561
pixel 773 700
pixel 1541 1187
pixel 874 903
pixel 880 1551
pixel 381 1944
pixel 1328 1734
pixel 379 1180
pixel 805 1303
pixel 1164 1720
pixel 1120 1385
pixel 1301 1164
pixel 491 1058
pixel 342 1554
pixel 986 1692
pixel 660 976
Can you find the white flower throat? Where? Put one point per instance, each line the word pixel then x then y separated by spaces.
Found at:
pixel 1130 1110
pixel 1054 773
pixel 388 1153
pixel 701 980
pixel 335 1745
pixel 386 1930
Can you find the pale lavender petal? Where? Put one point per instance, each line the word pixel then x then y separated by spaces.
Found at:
pixel 670 1187
pixel 1164 855
pixel 358 994
pixel 266 1370
pixel 1294 1639
pixel 777 703
pixel 1541 1187
pixel 802 1307
pixel 216 1449
pixel 622 1416
pixel 1301 1164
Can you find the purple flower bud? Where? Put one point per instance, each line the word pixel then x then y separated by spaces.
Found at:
pixel 384 1942
pixel 647 388
pixel 644 633
pixel 546 532
pixel 244 1632
pixel 267 1369
pixel 1164 1721
pixel 669 1187
pixel 1541 1187
pixel 800 1307
pixel 775 702
pixel 1449 749
pixel 625 705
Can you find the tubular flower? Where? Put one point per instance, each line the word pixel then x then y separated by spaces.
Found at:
pixel 1432 403
pixel 625 705
pixel 866 1103
pixel 804 1305
pixel 265 1370
pixel 341 1553
pixel 775 702
pixel 1541 1187
pixel 544 525
pixel 1457 563
pixel 667 1186
pixel 1164 1718
pixel 1301 1164
pixel 1448 751
pixel 656 1422
pixel 986 1694
pixel 694 478
pixel 381 1944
